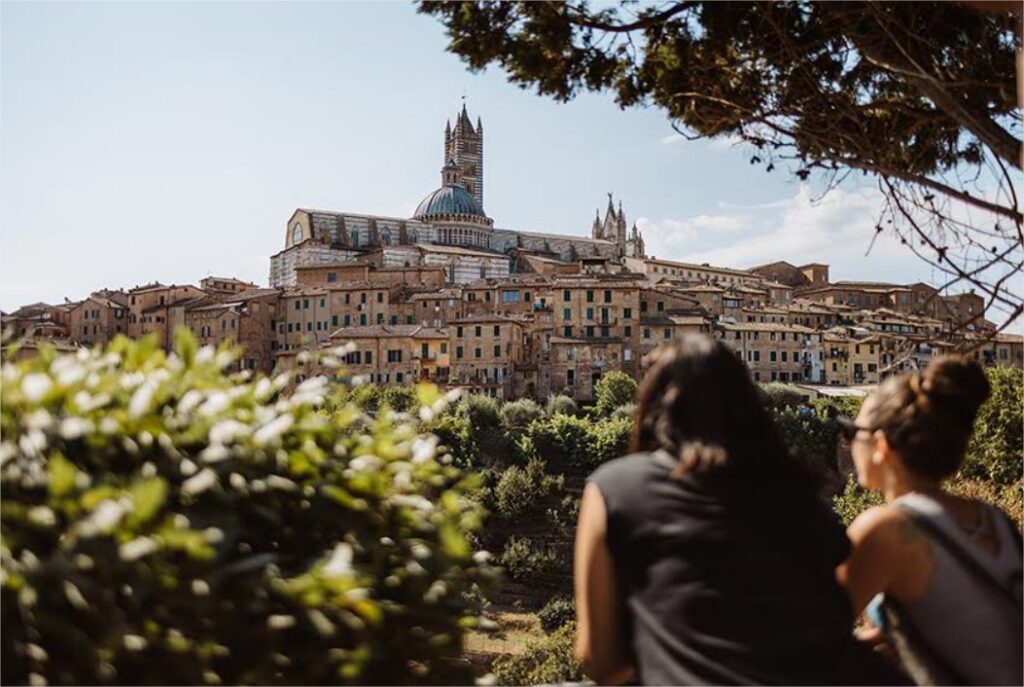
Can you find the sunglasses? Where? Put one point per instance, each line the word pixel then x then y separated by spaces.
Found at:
pixel 849 428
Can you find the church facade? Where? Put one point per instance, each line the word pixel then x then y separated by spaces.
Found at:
pixel 449 229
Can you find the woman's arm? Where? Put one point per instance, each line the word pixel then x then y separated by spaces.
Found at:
pixel 889 555
pixel 599 632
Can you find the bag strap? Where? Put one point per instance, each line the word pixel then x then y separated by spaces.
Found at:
pixel 968 561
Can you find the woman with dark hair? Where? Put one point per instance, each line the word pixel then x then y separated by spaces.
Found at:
pixel 706 556
pixel 948 569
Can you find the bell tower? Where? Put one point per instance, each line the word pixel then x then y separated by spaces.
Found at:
pixel 464 144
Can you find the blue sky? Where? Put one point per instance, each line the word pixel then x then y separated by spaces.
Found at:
pixel 169 141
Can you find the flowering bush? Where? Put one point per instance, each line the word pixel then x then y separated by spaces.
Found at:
pixel 163 521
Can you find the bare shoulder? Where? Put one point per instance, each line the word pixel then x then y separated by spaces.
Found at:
pixel 885 525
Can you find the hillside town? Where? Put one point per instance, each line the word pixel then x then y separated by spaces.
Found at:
pixel 447 297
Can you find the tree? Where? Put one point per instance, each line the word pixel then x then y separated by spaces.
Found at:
pixel 918 95
pixel 613 390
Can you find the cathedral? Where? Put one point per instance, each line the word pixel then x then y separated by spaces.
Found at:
pixel 449 229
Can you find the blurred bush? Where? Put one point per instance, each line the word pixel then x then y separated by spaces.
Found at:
pixel 614 389
pixel 559 611
pixel 166 522
pixel 547 661
pixel 560 405
pixel 996 451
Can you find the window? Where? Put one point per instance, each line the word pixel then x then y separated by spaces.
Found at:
pixel 784 356
pixel 297 233
pixel 444 347
pixel 570 377
pixel 605 332
pixel 323 302
pixel 478 353
pixel 309 326
pixel 566 296
pixel 399 376
pixel 661 306
pixel 627 331
pixel 369 357
pixel 627 313
pixel 567 313
pixel 757 356
pixel 362 297
pixel 497 351
pixel 380 296
pixel 362 320
pixel 590 296
pixel 347 320
pixel 478 331
pixel 289 327
pixel 590 313
pixel 395 356
pixel 332 276
pixel 509 296
pixel 772 357
pixel 298 305
pixel 348 298
pixel 607 296
pixel 487 297
pixel 497 330
pixel 590 332
pixel 424 350
pixel 305 304
pixel 667 333
pixel 567 332
pixel 647 333
pixel 380 318
pixel 458 352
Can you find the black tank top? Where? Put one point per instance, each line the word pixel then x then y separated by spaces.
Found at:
pixel 730 584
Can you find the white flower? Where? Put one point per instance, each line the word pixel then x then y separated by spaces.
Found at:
pixel 67 370
pixel 43 516
pixel 135 642
pixel 282 483
pixel 424 449
pixel 217 403
pixel 106 516
pixel 200 588
pixel 187 467
pixel 38 419
pixel 205 355
pixel 199 483
pixel 7 451
pixel 412 501
pixel 136 548
pixel 419 550
pixel 214 453
pixel 132 380
pixel 402 480
pixel 189 401
pixel 142 399
pixel 227 430
pixel 280 622
pixel 481 557
pixel 36 652
pixel 426 414
pixel 340 563
pixel 32 442
pixel 213 535
pixel 74 427
pixel 35 386
pixel 263 389
pixel 236 481
pixel 272 430
pixel 366 463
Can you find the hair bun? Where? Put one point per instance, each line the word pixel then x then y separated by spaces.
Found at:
pixel 957 383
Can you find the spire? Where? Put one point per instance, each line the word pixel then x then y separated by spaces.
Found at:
pixel 610 212
pixel 479 125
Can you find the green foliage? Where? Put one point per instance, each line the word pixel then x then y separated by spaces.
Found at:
pixel 456 434
pixel 547 661
pixel 401 399
pixel 574 445
pixel 166 522
pixel 484 412
pixel 559 611
pixel 784 395
pixel 532 563
pixel 366 397
pixel 613 390
pixel 560 404
pixel 854 500
pixel 624 412
pixel 996 450
pixel 521 490
pixel 517 415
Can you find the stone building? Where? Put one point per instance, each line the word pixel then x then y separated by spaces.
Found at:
pixel 486 351
pixel 448 229
pixel 98 319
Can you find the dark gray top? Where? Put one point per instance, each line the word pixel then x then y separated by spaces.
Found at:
pixel 727 583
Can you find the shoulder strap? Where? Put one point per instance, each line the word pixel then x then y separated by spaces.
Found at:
pixel 968 561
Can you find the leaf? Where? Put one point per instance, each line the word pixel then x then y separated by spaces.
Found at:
pixel 148 497
pixel 62 475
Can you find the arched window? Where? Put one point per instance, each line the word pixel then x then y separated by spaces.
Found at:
pixel 296 233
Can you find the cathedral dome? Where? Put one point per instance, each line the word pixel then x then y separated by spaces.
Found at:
pixel 450 199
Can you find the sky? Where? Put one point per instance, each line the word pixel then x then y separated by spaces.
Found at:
pixel 171 141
